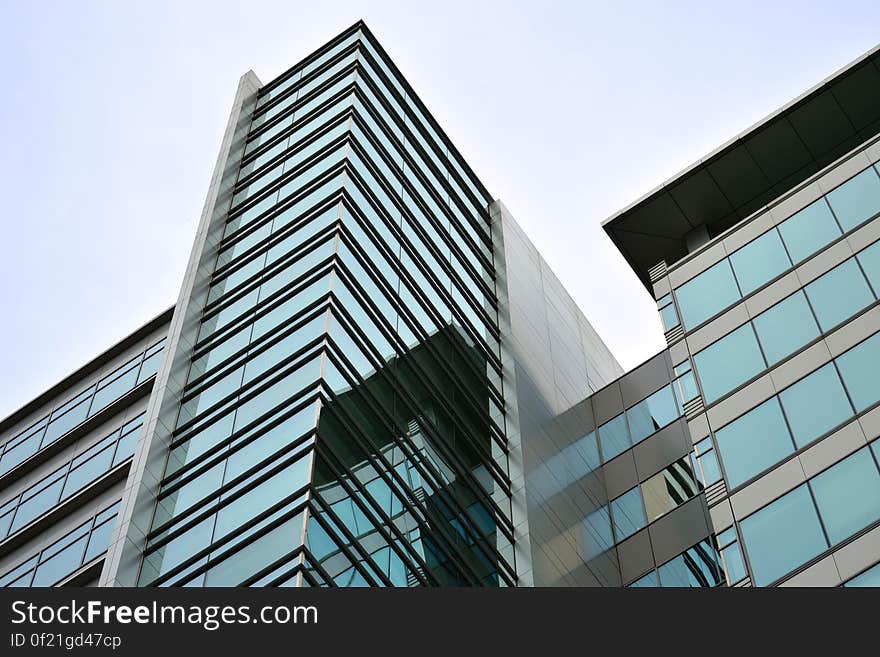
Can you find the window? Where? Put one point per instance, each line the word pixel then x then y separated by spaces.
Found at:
pixel 731 556
pixel 759 261
pixel 753 442
pixel 652 414
pixel 815 404
pixel 774 552
pixel 707 294
pixel 857 199
pixel 613 437
pixel 870 260
pixel 809 230
pixel 685 385
pixel 839 294
pixel 627 514
pixel 596 533
pixel 669 488
pixel 858 367
pixel 707 469
pixel 667 313
pixel 786 327
pixel 696 567
pixel 733 360
pixel 848 495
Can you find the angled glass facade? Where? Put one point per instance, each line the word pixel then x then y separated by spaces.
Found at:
pixel 372 378
pixel 342 420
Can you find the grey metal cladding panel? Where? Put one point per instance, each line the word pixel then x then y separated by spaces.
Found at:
pixel 620 474
pixel 664 447
pixel 646 379
pixel 607 403
pixel 635 556
pixel 678 530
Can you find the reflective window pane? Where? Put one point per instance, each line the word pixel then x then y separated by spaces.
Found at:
pixel 731 361
pixel 759 261
pixel 859 367
pixel 857 199
pixel 707 294
pixel 772 552
pixel 786 327
pixel 839 294
pixel 848 495
pixel 870 260
pixel 809 230
pixel 627 514
pixel 815 404
pixel 613 437
pixel 652 414
pixel 753 442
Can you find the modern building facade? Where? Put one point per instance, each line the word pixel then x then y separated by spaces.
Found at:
pixel 372 378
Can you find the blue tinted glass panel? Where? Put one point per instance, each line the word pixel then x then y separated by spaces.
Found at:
pixel 733 360
pixel 707 294
pixel 669 317
pixel 614 437
pixel 733 562
pixel 652 414
pixel 859 367
pixel 839 294
pixel 815 404
pixel 695 568
pixel 857 199
pixel 809 230
pixel 786 327
pixel 759 261
pixel 628 514
pixel 596 533
pixel 753 442
pixel 870 577
pixel 870 261
pixel 848 495
pixel 773 552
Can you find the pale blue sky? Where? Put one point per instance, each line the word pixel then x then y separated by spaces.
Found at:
pixel 112 115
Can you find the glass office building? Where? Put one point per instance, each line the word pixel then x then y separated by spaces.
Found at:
pixel 372 378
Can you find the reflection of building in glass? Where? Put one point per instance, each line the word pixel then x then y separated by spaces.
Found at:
pixel 372 378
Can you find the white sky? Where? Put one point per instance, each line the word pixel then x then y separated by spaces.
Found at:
pixel 112 115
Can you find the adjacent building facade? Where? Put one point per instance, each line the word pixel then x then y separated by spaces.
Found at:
pixel 372 378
